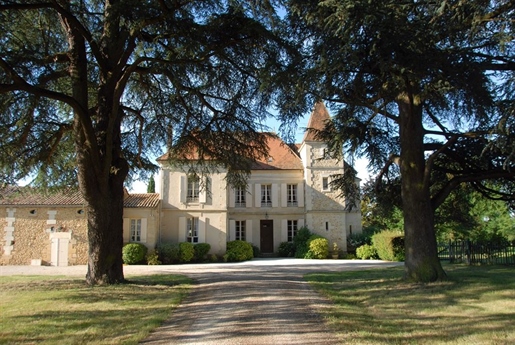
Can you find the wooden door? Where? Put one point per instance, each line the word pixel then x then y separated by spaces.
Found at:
pixel 59 254
pixel 267 236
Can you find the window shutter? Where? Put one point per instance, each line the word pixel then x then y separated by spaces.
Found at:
pixel 202 230
pixel 232 230
pixel 144 230
pixel 183 189
pixel 232 197
pixel 257 195
pixel 300 194
pixel 284 230
pixel 126 230
pixel 284 196
pixel 248 229
pixel 202 196
pixel 300 223
pixel 248 198
pixel 182 230
pixel 275 195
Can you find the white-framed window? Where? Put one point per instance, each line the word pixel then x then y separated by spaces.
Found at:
pixel 192 230
pixel 291 195
pixel 292 229
pixel 240 226
pixel 240 195
pixel 135 230
pixel 193 189
pixel 325 184
pixel 266 195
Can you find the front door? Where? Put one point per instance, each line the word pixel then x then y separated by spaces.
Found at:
pixel 267 236
pixel 59 255
pixel 59 249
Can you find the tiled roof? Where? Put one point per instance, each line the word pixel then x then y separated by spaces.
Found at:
pixel 148 200
pixel 26 196
pixel 280 156
pixel 14 195
pixel 317 121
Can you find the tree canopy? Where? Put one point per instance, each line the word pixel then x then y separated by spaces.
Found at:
pixel 90 90
pixel 424 85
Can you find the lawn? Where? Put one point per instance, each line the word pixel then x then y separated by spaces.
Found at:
pixel 475 306
pixel 60 310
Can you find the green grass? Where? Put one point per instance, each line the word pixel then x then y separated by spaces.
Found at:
pixel 475 306
pixel 60 310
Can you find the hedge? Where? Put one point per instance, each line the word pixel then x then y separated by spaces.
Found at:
pixel 186 252
pixel 389 245
pixel 201 250
pixel 169 253
pixel 365 252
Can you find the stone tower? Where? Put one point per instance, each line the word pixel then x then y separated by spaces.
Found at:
pixel 325 210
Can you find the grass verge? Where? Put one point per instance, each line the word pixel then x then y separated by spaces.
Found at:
pixel 59 310
pixel 475 306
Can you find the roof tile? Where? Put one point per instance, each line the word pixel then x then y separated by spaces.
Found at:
pixel 317 122
pixel 27 196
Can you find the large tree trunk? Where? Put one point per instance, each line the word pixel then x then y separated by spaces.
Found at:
pixel 101 167
pixel 105 230
pixel 422 263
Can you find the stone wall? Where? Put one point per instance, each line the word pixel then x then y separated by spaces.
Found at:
pixel 28 231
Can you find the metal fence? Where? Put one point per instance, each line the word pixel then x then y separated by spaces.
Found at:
pixel 476 253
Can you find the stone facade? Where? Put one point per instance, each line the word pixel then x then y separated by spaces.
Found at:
pixel 222 216
pixel 30 233
pixel 288 189
pixel 52 229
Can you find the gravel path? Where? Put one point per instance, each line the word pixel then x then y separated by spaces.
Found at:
pixel 263 301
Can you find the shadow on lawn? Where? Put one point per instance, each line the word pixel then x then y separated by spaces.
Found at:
pixel 475 305
pixel 67 311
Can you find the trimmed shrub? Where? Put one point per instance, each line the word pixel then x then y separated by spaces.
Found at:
pixel 318 248
pixel 201 250
pixel 238 251
pixel 133 253
pixel 186 252
pixel 153 258
pixel 366 251
pixel 286 249
pixel 300 242
pixel 389 245
pixel 169 253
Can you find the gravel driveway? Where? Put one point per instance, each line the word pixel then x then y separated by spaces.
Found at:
pixel 263 301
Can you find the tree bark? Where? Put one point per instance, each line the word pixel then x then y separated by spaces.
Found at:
pixel 422 263
pixel 105 227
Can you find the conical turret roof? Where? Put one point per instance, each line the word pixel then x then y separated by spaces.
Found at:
pixel 317 121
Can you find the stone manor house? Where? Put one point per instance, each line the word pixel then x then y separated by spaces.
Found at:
pixel 287 190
